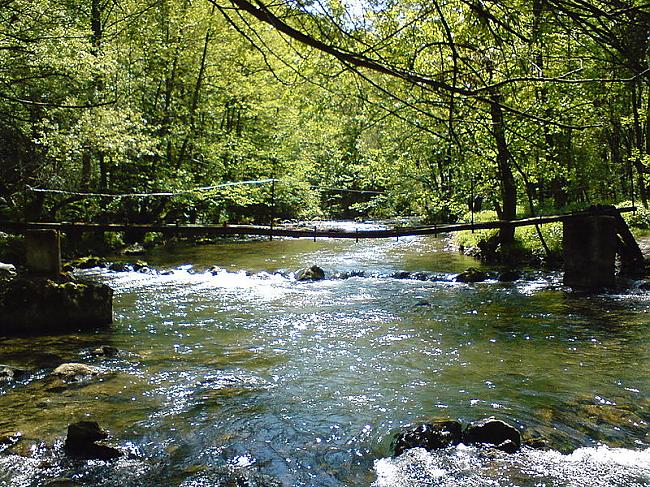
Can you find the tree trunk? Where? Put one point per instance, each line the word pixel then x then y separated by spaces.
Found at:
pixel 97 85
pixel 640 146
pixel 187 142
pixel 506 177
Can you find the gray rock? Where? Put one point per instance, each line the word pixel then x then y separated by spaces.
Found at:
pixel 401 275
pixel 471 275
pixel 139 264
pixel 491 431
pixel 430 436
pixel 105 351
pixel 348 275
pixel 75 371
pixel 313 273
pixel 119 267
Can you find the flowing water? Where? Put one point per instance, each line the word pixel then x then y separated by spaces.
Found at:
pixel 244 376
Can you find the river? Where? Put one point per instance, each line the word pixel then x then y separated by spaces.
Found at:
pixel 243 376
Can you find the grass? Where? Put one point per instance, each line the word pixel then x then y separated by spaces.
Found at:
pixel 528 245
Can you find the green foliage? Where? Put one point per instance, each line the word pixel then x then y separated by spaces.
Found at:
pixel 528 245
pixel 174 97
pixel 639 219
pixel 12 248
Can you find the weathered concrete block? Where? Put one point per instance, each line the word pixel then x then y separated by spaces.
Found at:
pixel 589 252
pixel 43 248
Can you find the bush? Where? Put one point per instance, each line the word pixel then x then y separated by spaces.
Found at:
pixel 638 219
pixel 12 248
pixel 528 245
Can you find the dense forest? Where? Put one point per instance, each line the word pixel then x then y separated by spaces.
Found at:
pixel 361 109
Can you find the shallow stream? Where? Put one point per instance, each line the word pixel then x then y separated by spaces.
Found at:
pixel 245 376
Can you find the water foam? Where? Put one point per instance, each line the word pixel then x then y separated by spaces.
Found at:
pixel 599 466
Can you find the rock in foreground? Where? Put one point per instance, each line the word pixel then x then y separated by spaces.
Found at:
pixel 40 305
pixel 491 431
pixel 81 439
pixel 430 436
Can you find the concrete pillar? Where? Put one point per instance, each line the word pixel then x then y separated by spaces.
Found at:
pixel 589 252
pixel 43 249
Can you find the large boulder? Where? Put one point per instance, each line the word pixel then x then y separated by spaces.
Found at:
pixel 81 439
pixel 40 305
pixel 430 436
pixel 491 431
pixel 313 273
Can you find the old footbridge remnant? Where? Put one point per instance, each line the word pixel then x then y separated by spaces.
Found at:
pixel 592 239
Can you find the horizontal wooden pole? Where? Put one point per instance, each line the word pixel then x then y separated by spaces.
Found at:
pixel 254 230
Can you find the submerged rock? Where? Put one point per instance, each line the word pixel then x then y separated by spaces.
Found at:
pixel 61 482
pixel 430 436
pixel 401 275
pixel 81 439
pixel 119 267
pixel 313 273
pixel 471 275
pixel 348 274
pixel 105 351
pixel 536 440
pixel 37 305
pixel 491 431
pixel 9 440
pixel 88 262
pixel 231 476
pixel 7 271
pixel 135 249
pixel 645 286
pixel 75 371
pixel 10 374
pixel 139 264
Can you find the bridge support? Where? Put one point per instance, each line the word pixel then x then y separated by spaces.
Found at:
pixel 590 251
pixel 43 249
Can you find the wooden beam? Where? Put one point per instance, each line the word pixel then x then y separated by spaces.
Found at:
pixel 252 230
